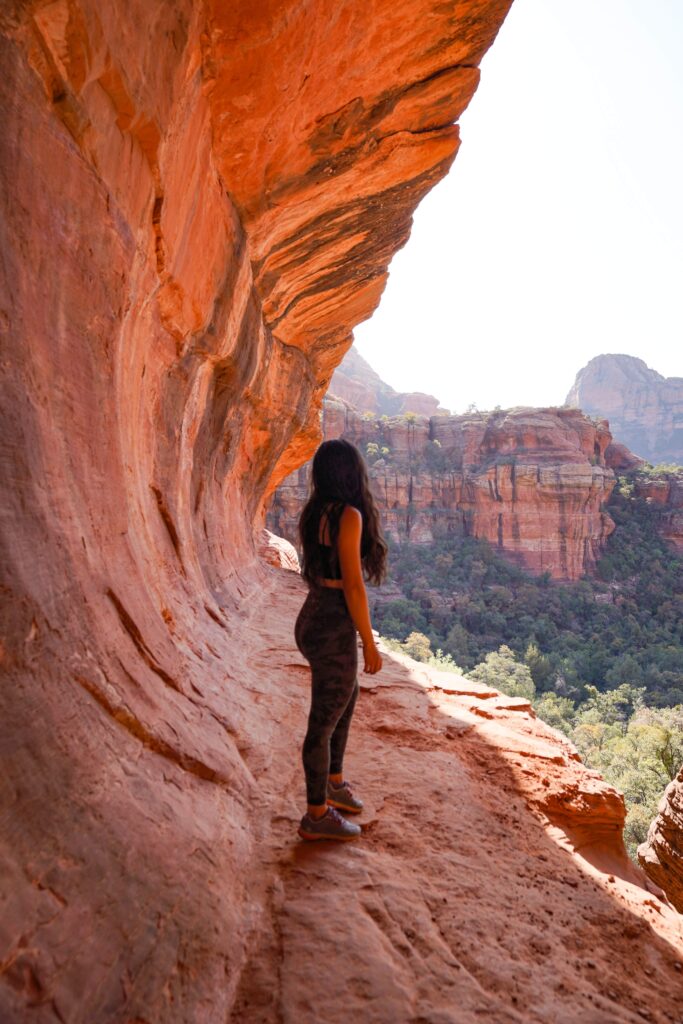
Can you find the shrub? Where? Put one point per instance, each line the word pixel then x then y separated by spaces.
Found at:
pixel 503 672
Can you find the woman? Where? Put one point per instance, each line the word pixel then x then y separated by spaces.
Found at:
pixel 340 536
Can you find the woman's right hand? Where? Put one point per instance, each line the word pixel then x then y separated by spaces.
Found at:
pixel 373 659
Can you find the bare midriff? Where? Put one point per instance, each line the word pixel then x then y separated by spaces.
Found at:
pixel 332 583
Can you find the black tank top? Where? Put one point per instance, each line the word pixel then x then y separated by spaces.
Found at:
pixel 330 561
pixel 331 567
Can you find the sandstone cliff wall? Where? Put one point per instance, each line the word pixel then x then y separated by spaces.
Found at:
pixel 533 482
pixel 661 490
pixel 198 201
pixel 644 409
pixel 664 495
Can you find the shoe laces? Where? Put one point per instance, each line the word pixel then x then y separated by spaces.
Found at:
pixel 344 784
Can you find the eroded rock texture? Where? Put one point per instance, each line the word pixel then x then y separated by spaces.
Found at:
pixel 661 854
pixel 533 482
pixel 197 203
pixel 645 409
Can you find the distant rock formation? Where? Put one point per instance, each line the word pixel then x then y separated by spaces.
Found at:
pixel 531 481
pixel 664 495
pixel 356 382
pixel 644 409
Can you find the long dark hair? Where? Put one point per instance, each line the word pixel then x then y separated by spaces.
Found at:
pixel 339 477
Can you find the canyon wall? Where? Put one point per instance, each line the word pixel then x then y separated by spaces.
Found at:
pixel 197 203
pixel 644 409
pixel 533 482
pixel 664 495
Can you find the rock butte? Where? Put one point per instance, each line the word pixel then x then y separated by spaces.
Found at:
pixel 533 482
pixel 199 201
pixel 645 409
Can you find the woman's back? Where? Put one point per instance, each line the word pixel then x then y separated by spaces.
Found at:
pixel 329 553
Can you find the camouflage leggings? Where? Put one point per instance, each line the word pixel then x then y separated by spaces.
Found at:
pixel 326 636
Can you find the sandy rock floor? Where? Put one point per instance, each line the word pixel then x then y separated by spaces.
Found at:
pixel 464 899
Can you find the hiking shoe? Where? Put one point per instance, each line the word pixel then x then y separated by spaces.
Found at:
pixel 342 798
pixel 330 826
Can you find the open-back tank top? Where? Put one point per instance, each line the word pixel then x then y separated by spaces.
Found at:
pixel 330 561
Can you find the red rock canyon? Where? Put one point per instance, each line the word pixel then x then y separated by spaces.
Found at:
pixel 198 203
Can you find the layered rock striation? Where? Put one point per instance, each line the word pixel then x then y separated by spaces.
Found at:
pixel 198 202
pixel 533 482
pixel 644 409
pixel 661 855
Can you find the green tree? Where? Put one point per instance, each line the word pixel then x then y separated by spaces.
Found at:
pixel 444 662
pixel 639 760
pixel 442 563
pixel 540 667
pixel 372 452
pixel 417 645
pixel 501 670
pixel 457 644
pixel 556 711
pixel 613 706
pixel 435 457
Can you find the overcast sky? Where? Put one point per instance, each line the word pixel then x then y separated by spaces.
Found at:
pixel 558 233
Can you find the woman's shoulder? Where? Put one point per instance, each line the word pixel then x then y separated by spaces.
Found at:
pixel 350 514
pixel 344 512
pixel 341 506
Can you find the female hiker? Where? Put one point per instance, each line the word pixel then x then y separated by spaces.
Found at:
pixel 341 537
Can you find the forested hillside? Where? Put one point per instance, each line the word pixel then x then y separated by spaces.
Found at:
pixel 622 626
pixel 601 659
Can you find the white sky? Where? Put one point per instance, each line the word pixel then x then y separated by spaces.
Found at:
pixel 558 233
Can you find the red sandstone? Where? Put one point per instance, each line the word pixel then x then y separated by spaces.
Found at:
pixel 533 482
pixel 199 202
pixel 643 407
pixel 661 855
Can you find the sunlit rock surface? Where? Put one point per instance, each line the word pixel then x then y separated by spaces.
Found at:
pixel 533 482
pixel 197 204
pixel 644 409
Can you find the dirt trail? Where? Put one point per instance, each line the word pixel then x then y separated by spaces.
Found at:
pixel 465 899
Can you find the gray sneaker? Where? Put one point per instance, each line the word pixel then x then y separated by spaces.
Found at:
pixel 343 799
pixel 330 826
